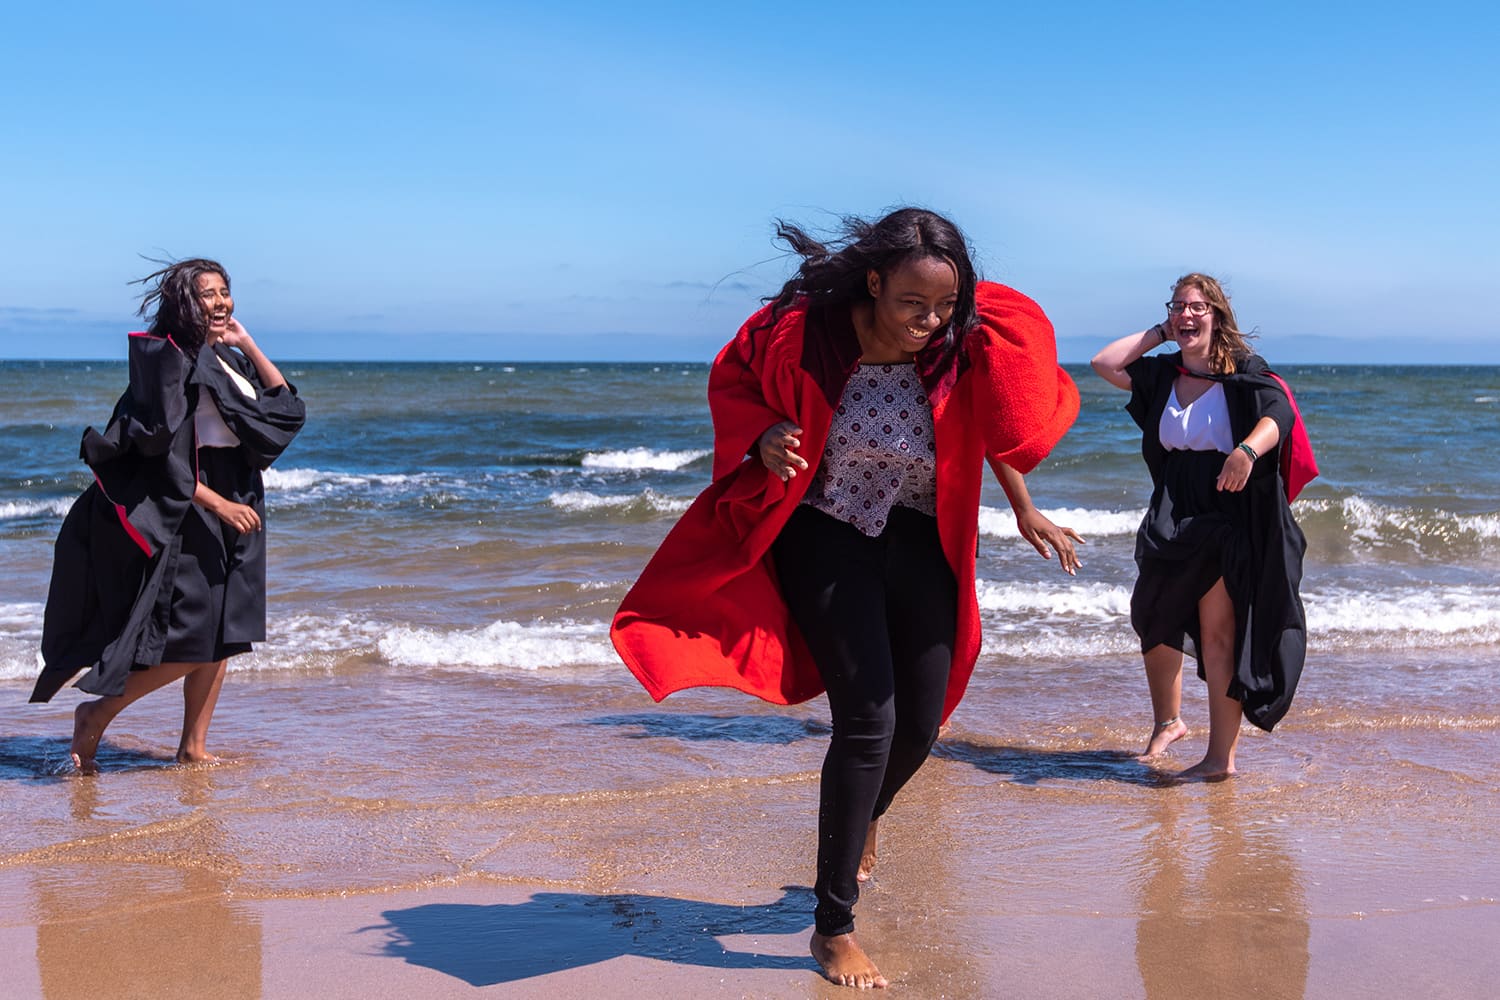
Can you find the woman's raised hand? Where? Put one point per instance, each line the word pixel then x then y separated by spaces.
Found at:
pixel 777 450
pixel 237 335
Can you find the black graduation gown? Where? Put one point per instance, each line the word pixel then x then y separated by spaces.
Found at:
pixel 115 561
pixel 1262 548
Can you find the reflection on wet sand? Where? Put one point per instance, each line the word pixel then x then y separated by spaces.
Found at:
pixel 144 929
pixel 1222 909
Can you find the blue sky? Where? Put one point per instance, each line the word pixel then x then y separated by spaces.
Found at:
pixel 563 180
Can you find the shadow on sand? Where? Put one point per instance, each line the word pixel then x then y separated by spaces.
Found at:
pixel 555 931
pixel 47 757
pixel 1027 766
pixel 766 729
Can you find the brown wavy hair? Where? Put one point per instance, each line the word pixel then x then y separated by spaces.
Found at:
pixel 1229 345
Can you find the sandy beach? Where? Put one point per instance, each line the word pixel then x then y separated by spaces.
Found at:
pixel 440 781
pixel 600 845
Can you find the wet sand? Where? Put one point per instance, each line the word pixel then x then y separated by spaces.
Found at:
pixel 375 835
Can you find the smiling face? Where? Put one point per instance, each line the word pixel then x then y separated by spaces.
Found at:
pixel 214 302
pixel 912 303
pixel 1193 333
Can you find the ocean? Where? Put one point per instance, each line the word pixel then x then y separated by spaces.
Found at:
pixel 486 518
pixel 436 775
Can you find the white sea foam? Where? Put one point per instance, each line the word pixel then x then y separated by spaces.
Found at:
pixel 15 509
pixel 1409 616
pixel 1001 522
pixel 1378 525
pixel 503 644
pixel 641 458
pixel 19 660
pixel 1055 621
pixel 23 616
pixel 295 480
pixel 312 642
pixel 1075 601
pixel 582 500
pixel 1084 619
pixel 316 633
pixel 20 636
pixel 1027 641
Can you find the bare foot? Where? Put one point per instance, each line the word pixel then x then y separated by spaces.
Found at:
pixel 1207 770
pixel 186 756
pixel 1162 737
pixel 86 735
pixel 867 859
pixel 845 963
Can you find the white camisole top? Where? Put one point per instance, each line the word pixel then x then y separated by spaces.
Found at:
pixel 1202 425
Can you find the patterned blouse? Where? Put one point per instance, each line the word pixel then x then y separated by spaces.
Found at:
pixel 880 450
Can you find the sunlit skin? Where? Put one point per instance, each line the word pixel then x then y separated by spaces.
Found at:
pixel 908 307
pixel 845 963
pixel 217 307
pixel 215 303
pixel 905 310
pixel 871 852
pixel 1194 335
pixel 201 682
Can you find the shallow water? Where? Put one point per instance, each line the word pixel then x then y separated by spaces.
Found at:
pixel 438 704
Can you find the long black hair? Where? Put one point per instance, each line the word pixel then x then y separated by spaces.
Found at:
pixel 837 271
pixel 171 301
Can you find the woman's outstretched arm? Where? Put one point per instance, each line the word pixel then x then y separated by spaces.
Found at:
pixel 1034 526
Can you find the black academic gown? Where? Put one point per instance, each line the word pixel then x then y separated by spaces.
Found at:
pixel 1263 575
pixel 115 559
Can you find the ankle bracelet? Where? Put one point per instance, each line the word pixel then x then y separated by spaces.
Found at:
pixel 1164 725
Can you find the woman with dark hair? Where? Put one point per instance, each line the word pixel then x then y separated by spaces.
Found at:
pixel 835 548
pixel 1219 553
pixel 159 571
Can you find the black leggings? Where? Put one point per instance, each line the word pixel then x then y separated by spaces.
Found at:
pixel 879 616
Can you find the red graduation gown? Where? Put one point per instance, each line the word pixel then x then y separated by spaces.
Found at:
pixel 707 610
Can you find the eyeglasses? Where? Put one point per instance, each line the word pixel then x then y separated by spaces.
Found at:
pixel 1191 308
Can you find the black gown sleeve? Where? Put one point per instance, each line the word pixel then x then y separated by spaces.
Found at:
pixel 264 422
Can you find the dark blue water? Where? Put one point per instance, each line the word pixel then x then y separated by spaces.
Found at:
pixel 490 516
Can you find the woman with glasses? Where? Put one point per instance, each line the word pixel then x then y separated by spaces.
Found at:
pixel 1218 552
pixel 835 549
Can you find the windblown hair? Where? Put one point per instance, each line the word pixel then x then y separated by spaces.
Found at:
pixel 1229 346
pixel 171 301
pixel 836 272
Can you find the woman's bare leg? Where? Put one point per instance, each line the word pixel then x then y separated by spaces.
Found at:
pixel 1164 680
pixel 1216 622
pixel 91 718
pixel 200 694
pixel 867 858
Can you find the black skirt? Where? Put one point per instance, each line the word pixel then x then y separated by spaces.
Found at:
pixel 1192 535
pixel 211 571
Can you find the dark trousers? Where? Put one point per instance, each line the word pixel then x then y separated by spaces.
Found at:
pixel 879 616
